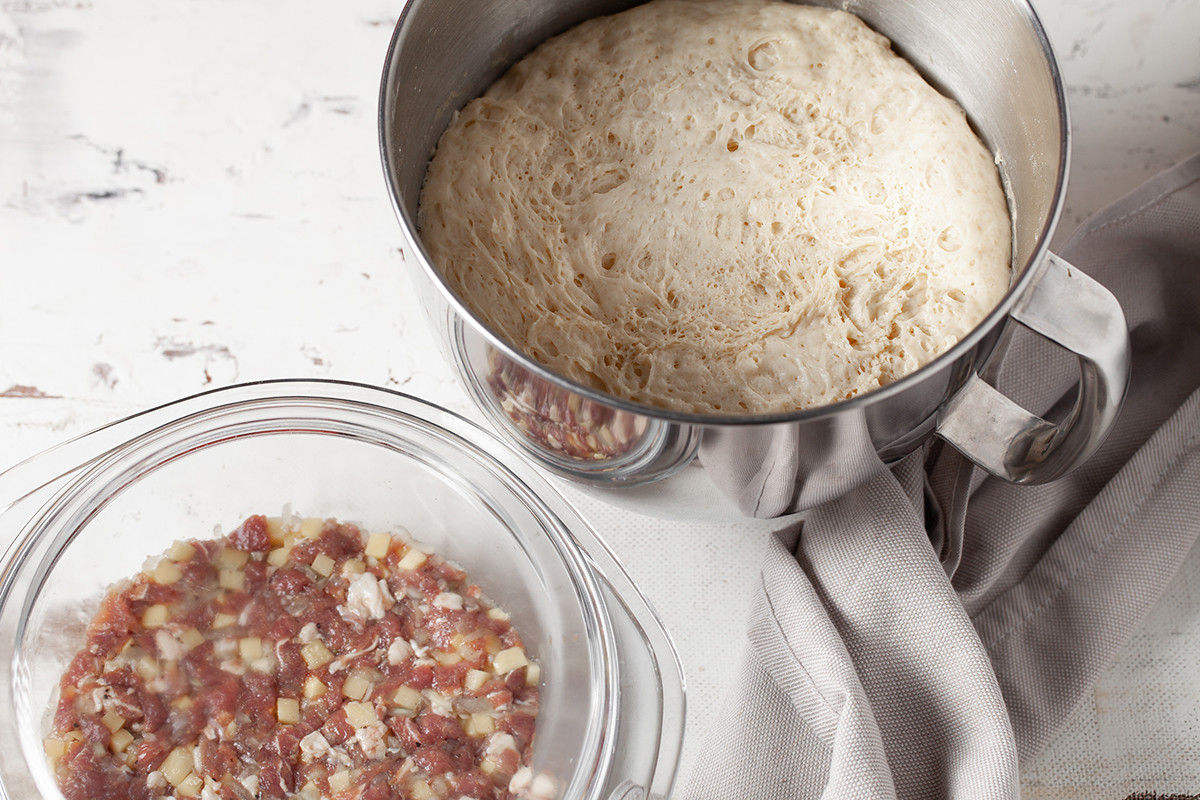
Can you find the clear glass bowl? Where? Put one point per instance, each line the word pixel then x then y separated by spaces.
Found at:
pixel 79 517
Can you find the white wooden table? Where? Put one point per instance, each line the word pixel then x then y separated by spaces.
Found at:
pixel 191 196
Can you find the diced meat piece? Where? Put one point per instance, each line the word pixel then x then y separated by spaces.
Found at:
pixel 339 540
pixel 337 729
pixel 473 784
pixel 217 758
pixel 251 535
pixel 112 626
pixel 436 728
pixel 256 576
pixel 520 726
pixel 83 777
pixel 274 776
pixel 292 669
pixel 283 628
pixel 149 756
pixel 258 695
pixel 289 581
pixel 420 677
pixel 433 760
pixel 449 678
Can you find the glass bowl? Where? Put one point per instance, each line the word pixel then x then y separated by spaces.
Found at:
pixel 81 516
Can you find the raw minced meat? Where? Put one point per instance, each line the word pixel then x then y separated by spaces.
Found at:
pixel 297 658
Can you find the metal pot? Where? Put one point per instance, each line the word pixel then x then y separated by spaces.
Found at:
pixel 993 57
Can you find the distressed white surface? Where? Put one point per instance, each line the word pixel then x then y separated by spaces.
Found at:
pixel 191 196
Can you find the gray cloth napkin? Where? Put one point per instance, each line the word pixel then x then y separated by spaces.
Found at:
pixel 921 635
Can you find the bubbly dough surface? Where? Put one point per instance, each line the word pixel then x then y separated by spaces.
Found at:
pixel 719 206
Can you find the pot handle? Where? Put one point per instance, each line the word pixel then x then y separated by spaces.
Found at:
pixel 1075 312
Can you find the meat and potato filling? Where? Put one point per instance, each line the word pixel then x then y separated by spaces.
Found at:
pixel 297 658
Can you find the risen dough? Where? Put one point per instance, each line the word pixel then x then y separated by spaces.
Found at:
pixel 719 206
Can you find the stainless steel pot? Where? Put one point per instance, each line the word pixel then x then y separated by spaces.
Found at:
pixel 993 57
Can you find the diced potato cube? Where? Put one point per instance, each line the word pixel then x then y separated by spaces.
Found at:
pixel 190 787
pixel 407 698
pixel 480 724
pixel 446 659
pixel 155 616
pixel 472 649
pixel 316 654
pixel 276 532
pixel 177 766
pixel 421 790
pixel 183 702
pixel 323 565
pixel 353 566
pixel 232 558
pixel 279 556
pixel 475 680
pixel 221 620
pixel 339 780
pixel 356 687
pixel 360 714
pixel 55 748
pixel 121 740
pixel 181 551
pixel 191 638
pixel 498 614
pixel 167 572
pixel 377 545
pixel 506 661
pixel 533 674
pixel 232 579
pixel 311 527
pixel 146 668
pixel 412 559
pixel 287 710
pixel 310 791
pixel 314 688
pixel 250 648
pixel 113 721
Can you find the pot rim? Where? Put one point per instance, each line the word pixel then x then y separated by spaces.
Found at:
pixel 1024 276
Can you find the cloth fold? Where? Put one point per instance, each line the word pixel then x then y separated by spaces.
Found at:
pixel 919 636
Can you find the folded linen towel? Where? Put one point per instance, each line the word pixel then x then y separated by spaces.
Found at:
pixel 920 636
